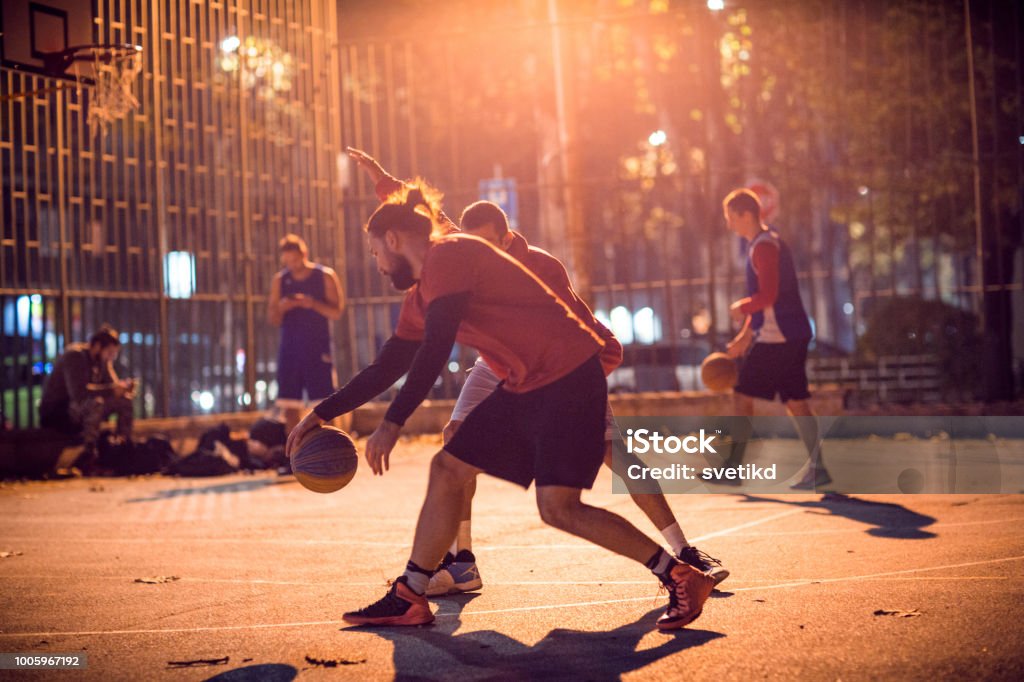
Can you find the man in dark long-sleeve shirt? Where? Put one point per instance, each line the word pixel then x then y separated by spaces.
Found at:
pixel 84 391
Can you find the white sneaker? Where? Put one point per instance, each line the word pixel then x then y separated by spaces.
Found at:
pixel 456 575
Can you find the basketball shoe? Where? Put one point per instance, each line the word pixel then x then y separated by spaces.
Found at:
pixel 457 574
pixel 400 606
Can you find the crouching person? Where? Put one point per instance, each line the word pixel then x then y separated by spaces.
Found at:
pixel 84 391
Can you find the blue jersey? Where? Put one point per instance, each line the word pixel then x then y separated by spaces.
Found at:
pixel 786 319
pixel 305 331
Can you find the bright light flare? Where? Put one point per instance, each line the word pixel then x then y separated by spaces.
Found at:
pixel 716 5
pixel 657 138
pixel 230 44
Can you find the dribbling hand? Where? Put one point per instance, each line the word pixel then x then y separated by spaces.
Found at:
pixel 736 313
pixel 308 423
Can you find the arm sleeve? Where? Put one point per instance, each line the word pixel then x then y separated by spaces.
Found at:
pixel 76 376
pixel 481 382
pixel 391 363
pixel 442 325
pixel 387 186
pixel 766 264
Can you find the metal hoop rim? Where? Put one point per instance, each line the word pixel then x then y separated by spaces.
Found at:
pixel 57 63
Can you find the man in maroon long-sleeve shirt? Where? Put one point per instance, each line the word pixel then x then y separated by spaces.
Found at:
pixel 458 571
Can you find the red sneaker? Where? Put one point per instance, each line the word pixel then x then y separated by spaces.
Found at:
pixel 400 606
pixel 688 589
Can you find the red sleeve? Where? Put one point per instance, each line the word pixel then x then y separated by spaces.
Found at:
pixel 449 268
pixel 766 264
pixel 412 318
pixel 387 186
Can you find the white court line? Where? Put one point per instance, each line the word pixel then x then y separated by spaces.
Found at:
pixel 367 543
pixel 749 524
pixel 875 576
pixel 861 529
pixel 264 626
pixel 490 583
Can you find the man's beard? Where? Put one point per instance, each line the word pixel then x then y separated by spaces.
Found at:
pixel 401 275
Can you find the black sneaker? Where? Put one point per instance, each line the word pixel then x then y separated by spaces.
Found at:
pixel 400 606
pixel 704 562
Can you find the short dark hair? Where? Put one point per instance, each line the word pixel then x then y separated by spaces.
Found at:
pixel 413 208
pixel 105 336
pixel 743 200
pixel 293 242
pixel 483 213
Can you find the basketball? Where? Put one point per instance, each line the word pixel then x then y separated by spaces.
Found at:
pixel 719 372
pixel 325 461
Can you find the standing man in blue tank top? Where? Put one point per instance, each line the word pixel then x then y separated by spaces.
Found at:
pixel 304 298
pixel 775 335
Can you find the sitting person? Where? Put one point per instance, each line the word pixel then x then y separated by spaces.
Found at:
pixel 84 391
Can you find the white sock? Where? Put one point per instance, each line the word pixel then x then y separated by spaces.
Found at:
pixel 674 537
pixel 464 540
pixel 660 563
pixel 416 580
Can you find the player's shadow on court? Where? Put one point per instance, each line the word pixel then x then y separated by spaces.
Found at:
pixel 220 489
pixel 426 653
pixel 267 672
pixel 888 520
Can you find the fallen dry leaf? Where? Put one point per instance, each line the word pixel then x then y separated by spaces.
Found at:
pixel 332 662
pixel 199 662
pixel 158 579
pixel 898 613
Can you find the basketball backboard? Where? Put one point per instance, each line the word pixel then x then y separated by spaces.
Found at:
pixel 31 29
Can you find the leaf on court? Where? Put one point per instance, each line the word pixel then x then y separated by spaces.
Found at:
pixel 913 613
pixel 8 555
pixel 332 662
pixel 199 662
pixel 158 579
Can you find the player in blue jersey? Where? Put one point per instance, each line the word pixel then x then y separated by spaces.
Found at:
pixel 775 335
pixel 304 298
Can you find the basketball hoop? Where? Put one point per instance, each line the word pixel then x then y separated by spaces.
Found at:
pixel 115 68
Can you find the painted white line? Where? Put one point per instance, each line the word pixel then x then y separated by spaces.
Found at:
pixel 861 529
pixel 650 598
pixel 875 576
pixel 24 540
pixel 749 524
pixel 502 583
pixel 465 614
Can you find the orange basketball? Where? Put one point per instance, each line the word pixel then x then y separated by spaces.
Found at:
pixel 325 460
pixel 719 372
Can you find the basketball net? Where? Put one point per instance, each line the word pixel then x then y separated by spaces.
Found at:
pixel 112 95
